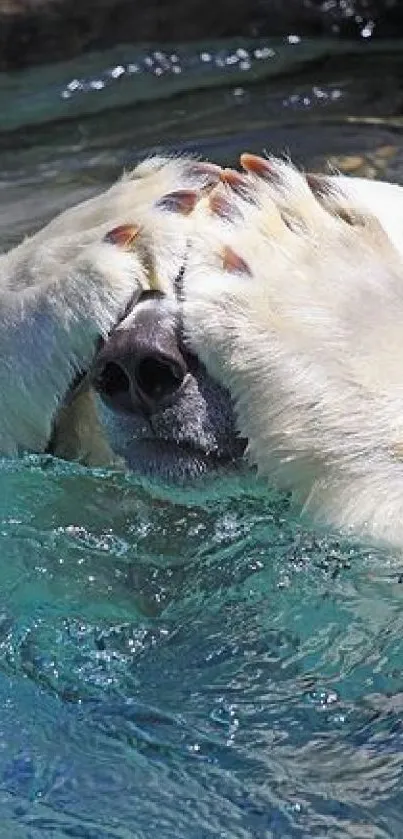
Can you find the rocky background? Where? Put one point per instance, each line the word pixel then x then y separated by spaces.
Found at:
pixel 38 31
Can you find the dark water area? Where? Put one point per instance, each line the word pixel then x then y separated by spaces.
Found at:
pixel 197 663
pixel 69 130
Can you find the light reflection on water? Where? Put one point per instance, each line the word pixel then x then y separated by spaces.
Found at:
pixel 193 664
pixel 311 100
pixel 129 75
pixel 204 667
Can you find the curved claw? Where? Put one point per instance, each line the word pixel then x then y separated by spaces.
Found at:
pixel 235 180
pixel 223 207
pixel 208 172
pixel 181 201
pixel 258 166
pixel 122 236
pixel 318 184
pixel 233 262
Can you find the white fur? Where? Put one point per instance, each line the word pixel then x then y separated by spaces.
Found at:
pixel 310 343
pixel 64 287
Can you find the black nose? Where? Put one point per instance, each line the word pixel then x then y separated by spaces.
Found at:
pixel 150 378
pixel 141 367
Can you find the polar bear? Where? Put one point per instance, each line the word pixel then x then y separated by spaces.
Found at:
pixel 111 263
pixel 294 298
pixel 141 326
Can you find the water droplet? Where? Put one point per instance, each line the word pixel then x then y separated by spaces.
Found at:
pixel 97 84
pixel 264 53
pixel 368 29
pixel 117 71
pixel 319 93
pixel 75 84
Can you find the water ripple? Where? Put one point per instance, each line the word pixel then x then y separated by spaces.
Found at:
pixel 129 75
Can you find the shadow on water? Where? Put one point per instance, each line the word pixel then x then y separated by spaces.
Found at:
pixel 194 663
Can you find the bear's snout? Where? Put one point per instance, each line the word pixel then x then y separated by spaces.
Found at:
pixel 140 367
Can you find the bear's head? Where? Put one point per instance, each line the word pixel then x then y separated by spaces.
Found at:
pixel 93 365
pixel 148 404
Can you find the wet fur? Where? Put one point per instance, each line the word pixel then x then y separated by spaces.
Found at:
pixel 297 304
pixel 293 297
pixel 65 287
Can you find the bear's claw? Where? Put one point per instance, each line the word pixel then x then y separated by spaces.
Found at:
pixel 258 166
pixel 231 261
pixel 222 206
pixel 122 236
pixel 238 182
pixel 181 201
pixel 209 172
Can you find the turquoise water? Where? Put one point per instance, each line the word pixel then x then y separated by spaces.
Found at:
pixel 193 664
